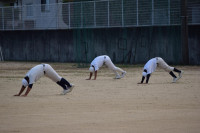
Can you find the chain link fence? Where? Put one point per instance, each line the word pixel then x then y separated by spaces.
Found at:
pixel 97 14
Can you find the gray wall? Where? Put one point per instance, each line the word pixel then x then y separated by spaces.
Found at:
pixel 123 45
pixel 194 45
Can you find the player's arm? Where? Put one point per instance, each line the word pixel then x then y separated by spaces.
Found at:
pixel 95 75
pixel 142 80
pixel 148 77
pixel 28 90
pixel 21 91
pixel 90 76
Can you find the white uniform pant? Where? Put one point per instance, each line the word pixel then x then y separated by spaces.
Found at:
pixel 51 73
pixel 111 66
pixel 164 65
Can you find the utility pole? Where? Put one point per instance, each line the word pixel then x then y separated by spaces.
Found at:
pixel 184 33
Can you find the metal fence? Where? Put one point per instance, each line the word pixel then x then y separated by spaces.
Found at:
pixel 97 14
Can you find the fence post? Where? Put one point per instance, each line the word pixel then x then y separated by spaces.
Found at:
pixel 184 33
pixel 137 11
pixel 108 13
pixel 23 16
pixel 152 19
pixel 81 14
pixel 3 18
pixel 69 14
pixel 57 15
pixel 13 18
pixel 169 12
pixel 122 13
pixel 94 14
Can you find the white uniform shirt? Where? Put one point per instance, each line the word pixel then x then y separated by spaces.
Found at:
pixel 35 73
pixel 151 65
pixel 98 62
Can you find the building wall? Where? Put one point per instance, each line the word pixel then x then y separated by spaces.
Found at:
pixel 36 2
pixel 123 45
pixel 33 15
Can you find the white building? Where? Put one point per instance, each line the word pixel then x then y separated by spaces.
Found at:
pixel 33 14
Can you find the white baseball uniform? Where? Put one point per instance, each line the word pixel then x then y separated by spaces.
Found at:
pixel 152 64
pixel 100 60
pixel 164 65
pixel 43 69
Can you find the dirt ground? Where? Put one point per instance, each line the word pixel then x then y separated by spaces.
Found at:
pixel 106 105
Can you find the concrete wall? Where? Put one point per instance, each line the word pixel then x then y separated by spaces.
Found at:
pixel 123 45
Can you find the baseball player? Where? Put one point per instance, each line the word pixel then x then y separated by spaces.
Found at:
pixel 151 65
pixel 37 72
pixel 104 59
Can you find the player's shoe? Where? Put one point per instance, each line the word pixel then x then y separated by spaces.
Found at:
pixel 174 80
pixel 72 86
pixel 118 76
pixel 123 74
pixel 69 89
pixel 180 74
pixel 65 91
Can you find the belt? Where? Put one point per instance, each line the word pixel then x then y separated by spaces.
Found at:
pixel 43 68
pixel 26 78
pixel 157 60
pixel 104 59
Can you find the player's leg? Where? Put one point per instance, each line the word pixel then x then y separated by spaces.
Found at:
pixel 123 73
pixel 170 69
pixel 172 74
pixel 118 69
pixel 65 82
pixel 115 69
pixel 180 72
pixel 148 77
pixel 62 85
pixel 166 67
pixel 69 87
pixel 53 75
pixel 176 70
pixel 111 66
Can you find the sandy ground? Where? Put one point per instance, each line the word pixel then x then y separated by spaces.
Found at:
pixel 102 106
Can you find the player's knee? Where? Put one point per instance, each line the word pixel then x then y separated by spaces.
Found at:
pixel 169 69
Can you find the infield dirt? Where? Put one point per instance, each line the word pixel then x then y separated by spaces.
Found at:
pixel 105 105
